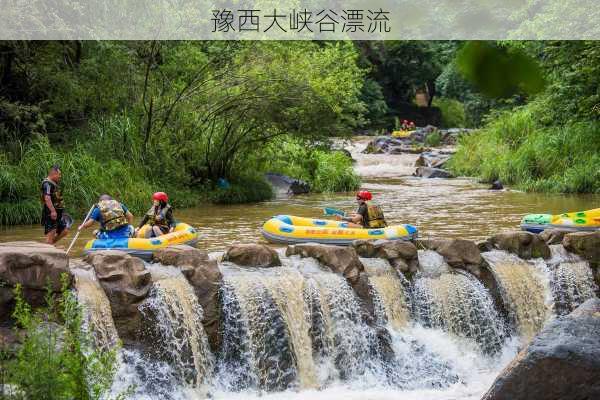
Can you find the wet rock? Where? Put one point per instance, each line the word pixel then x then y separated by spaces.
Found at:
pixel 126 283
pixel 205 277
pixel 586 244
pixel 432 159
pixel 34 266
pixel 364 292
pixel 458 253
pixel 429 172
pixel 341 260
pixel 553 236
pixel 286 184
pixel 252 255
pixel 524 244
pixel 561 362
pixel 496 185
pixel 401 255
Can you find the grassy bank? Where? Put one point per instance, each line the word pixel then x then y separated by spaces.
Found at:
pixel 519 150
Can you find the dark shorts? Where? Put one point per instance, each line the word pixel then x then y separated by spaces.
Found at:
pixel 50 224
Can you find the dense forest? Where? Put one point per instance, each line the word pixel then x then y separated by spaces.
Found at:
pixel 129 118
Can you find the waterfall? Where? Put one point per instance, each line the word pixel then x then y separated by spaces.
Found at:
pixel 174 330
pixel 96 307
pixel 458 303
pixel 266 318
pixel 392 303
pixel 524 289
pixel 572 281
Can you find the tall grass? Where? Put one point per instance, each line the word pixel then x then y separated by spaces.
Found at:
pixel 518 150
pixel 453 112
pixel 86 175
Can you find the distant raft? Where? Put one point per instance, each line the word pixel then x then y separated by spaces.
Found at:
pixel 289 229
pixel 143 248
pixel 576 221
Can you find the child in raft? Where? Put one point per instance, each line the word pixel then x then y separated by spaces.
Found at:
pixel 159 217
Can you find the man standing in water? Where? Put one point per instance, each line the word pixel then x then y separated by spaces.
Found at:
pixel 53 207
pixel 368 216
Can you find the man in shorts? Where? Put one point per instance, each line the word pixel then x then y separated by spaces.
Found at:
pixel 53 206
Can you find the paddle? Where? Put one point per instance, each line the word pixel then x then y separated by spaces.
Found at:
pixel 78 230
pixel 333 211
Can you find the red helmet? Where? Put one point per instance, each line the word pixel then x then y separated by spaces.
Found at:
pixel 160 196
pixel 364 195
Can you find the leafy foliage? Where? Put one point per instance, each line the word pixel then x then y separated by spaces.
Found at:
pixel 57 359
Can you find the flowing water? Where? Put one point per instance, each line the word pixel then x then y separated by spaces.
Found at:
pixel 442 208
pixel 301 332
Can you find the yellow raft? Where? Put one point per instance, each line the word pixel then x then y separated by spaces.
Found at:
pixel 143 248
pixel 289 229
pixel 576 221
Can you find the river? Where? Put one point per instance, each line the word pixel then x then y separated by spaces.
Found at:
pixel 440 208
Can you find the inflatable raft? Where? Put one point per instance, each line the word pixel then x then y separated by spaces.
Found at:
pixel 289 229
pixel 143 248
pixel 576 221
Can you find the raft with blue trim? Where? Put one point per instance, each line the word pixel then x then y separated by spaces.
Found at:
pixel 575 221
pixel 289 229
pixel 143 248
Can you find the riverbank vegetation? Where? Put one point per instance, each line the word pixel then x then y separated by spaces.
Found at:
pixel 549 141
pixel 56 357
pixel 129 118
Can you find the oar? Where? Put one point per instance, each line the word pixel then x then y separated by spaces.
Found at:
pixel 333 211
pixel 78 230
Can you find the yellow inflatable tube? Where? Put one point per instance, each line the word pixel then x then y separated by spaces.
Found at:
pixel 289 229
pixel 143 248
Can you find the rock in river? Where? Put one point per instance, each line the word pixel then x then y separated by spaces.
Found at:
pixel 428 172
pixel 524 244
pixel 34 266
pixel 126 283
pixel 561 362
pixel 252 255
pixel 341 260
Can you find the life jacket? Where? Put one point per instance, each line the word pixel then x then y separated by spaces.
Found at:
pixel 113 215
pixel 56 197
pixel 375 216
pixel 159 218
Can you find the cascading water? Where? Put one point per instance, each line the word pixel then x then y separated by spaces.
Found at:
pixel 524 289
pixel 571 280
pixel 458 303
pixel 97 311
pixel 175 326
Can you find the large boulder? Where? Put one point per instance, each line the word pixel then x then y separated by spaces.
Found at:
pixel 287 185
pixel 458 253
pixel 586 244
pixel 126 283
pixel 34 266
pixel 524 244
pixel 341 260
pixel 204 275
pixel 252 255
pixel 402 255
pixel 429 172
pixel 561 362
pixel 553 236
pixel 432 159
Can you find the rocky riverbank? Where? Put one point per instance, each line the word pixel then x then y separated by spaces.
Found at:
pixel 128 283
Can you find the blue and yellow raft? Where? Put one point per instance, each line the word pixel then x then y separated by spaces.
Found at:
pixel 143 248
pixel 289 229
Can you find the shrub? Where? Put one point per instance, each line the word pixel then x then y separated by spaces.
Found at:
pixel 433 139
pixel 246 189
pixel 453 112
pixel 57 359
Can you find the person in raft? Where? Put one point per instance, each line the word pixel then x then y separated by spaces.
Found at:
pixel 114 219
pixel 159 217
pixel 368 215
pixel 55 227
